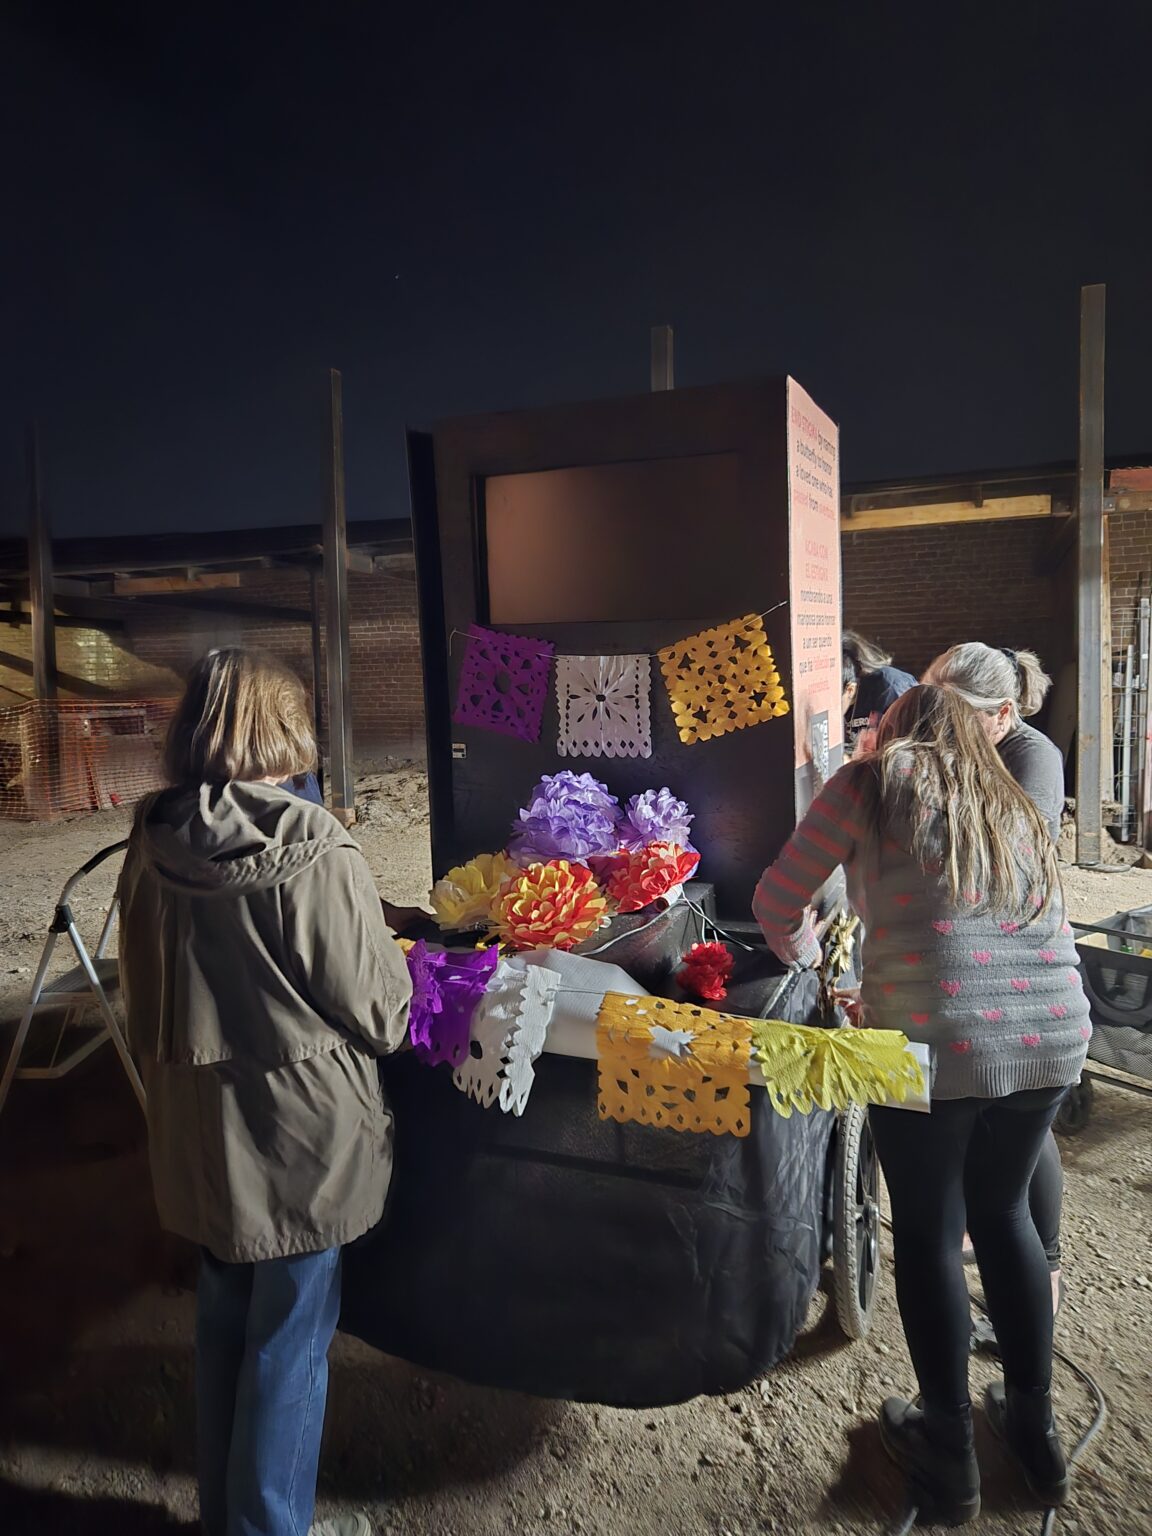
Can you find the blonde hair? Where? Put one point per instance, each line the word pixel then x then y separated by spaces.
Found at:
pixel 943 794
pixel 988 679
pixel 244 715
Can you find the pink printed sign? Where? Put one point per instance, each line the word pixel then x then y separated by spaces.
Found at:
pixel 814 552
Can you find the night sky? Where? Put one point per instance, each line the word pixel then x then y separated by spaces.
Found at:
pixel 487 206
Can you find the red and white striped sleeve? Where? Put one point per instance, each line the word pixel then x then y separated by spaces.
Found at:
pixel 826 838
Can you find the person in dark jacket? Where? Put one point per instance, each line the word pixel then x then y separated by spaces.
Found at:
pixel 870 685
pixel 261 983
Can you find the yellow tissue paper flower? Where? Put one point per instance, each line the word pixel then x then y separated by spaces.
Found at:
pixel 464 898
pixel 808 1069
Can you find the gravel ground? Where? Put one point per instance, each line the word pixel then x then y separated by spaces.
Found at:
pixel 96 1326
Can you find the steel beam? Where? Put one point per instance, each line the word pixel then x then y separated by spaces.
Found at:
pixel 342 794
pixel 41 595
pixel 317 671
pixel 1090 599
pixel 117 609
pixel 662 370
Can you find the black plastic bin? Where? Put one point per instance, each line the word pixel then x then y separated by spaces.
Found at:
pixel 574 1258
pixel 1118 981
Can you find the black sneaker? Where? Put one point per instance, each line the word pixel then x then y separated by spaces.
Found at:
pixel 939 1462
pixel 1024 1421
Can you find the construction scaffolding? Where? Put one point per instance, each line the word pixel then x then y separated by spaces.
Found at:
pixel 1130 706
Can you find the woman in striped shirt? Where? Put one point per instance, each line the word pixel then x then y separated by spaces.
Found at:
pixel 1004 686
pixel 966 947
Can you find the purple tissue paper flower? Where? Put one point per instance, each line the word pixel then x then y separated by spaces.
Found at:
pixel 568 816
pixel 446 991
pixel 656 816
pixel 424 967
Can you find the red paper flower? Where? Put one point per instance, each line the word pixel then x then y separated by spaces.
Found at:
pixel 704 972
pixel 549 906
pixel 633 881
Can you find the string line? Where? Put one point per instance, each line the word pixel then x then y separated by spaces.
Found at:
pixel 651 655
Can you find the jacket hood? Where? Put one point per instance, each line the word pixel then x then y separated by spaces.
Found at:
pixel 229 839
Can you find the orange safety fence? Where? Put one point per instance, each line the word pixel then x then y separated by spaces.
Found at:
pixel 66 757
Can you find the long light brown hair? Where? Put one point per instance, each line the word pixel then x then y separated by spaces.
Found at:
pixel 944 795
pixel 244 715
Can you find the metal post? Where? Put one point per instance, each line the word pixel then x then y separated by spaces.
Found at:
pixel 40 579
pixel 342 799
pixel 1089 613
pixel 662 357
pixel 317 673
pixel 1143 733
pixel 1127 810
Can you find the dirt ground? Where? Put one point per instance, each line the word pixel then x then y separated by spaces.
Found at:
pixel 96 1326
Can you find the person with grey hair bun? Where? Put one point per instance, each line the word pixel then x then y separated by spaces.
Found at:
pixel 1002 686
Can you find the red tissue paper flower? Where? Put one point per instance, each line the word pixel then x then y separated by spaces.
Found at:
pixel 633 881
pixel 704 972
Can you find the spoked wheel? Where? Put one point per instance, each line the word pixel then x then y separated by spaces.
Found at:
pixel 1074 1113
pixel 856 1223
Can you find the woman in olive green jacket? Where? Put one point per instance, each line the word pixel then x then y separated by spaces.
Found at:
pixel 261 983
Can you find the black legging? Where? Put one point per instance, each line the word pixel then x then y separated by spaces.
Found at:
pixel 1046 1199
pixel 969 1161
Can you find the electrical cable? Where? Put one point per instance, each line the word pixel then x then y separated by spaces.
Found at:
pixel 1099 1418
pixel 709 925
pixel 906 1524
pixel 629 933
pixel 907 1520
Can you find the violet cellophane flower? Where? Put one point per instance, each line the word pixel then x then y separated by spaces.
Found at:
pixel 568 816
pixel 656 816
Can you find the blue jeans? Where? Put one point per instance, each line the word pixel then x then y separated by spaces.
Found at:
pixel 262 1337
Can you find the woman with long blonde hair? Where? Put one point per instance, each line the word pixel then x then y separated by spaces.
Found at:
pixel 261 984
pixel 966 947
pixel 1006 687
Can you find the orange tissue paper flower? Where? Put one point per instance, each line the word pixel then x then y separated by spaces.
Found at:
pixel 633 881
pixel 549 906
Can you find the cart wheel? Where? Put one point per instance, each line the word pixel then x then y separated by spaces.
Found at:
pixel 828 1209
pixel 1074 1113
pixel 856 1223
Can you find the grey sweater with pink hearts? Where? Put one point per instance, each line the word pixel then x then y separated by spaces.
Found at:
pixel 999 999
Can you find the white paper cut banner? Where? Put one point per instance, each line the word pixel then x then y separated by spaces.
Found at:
pixel 604 705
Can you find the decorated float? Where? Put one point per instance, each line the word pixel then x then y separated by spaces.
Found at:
pixel 627 1138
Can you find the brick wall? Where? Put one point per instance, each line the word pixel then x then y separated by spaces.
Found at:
pixel 1130 560
pixel 91 663
pixel 151 654
pixel 919 590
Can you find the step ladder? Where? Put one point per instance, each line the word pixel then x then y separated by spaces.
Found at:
pixel 92 981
